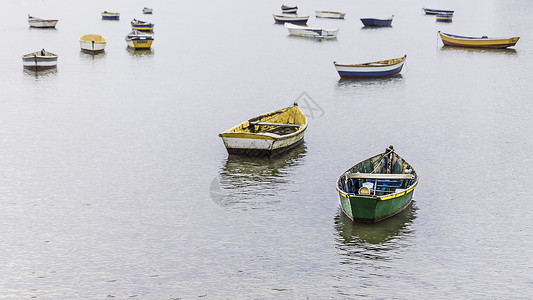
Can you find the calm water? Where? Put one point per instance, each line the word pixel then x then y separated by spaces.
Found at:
pixel 116 185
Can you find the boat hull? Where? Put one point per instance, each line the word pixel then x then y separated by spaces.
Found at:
pixel 482 42
pixel 37 63
pixel 110 16
pixel 444 17
pixel 294 20
pixel 329 14
pixel 260 147
pixel 92 47
pixel 139 44
pixel 370 70
pixel 147 10
pixel 376 22
pixel 430 11
pixel 374 209
pixel 289 9
pixel 311 32
pixel 43 23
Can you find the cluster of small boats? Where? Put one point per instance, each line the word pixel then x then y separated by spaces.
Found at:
pixel 138 38
pixel 378 187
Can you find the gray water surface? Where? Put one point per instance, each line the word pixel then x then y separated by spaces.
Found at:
pixel 115 183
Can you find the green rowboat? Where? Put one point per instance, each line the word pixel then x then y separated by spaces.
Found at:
pixel 377 188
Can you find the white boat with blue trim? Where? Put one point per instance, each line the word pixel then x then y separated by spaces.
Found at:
pixel 311 32
pixel 382 68
pixel 40 60
pixel 41 23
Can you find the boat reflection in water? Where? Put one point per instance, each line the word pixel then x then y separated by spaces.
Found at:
pixel 505 51
pixel 140 52
pixel 255 182
pixel 357 233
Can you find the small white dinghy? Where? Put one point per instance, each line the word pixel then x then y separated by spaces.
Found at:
pixel 311 32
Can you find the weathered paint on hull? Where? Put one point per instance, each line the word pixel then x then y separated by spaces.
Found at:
pixel 256 146
pixel 369 209
pixel 262 152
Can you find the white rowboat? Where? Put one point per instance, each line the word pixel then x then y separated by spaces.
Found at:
pixel 329 14
pixel 311 32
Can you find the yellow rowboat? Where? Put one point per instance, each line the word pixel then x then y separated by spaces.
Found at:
pixel 267 134
pixel 92 43
pixel 477 42
pixel 139 40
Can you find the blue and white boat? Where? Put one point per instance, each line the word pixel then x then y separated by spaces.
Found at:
pixel 311 32
pixel 141 25
pixel 430 11
pixel 280 19
pixel 39 60
pixel 377 22
pixel 382 68
pixel 110 15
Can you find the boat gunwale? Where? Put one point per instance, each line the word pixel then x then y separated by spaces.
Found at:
pixel 375 64
pixel 473 38
pixel 262 135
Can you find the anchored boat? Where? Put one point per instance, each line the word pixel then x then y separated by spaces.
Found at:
pixel 329 14
pixel 290 19
pixel 41 23
pixel 429 11
pixel 311 32
pixel 477 42
pixel 139 40
pixel 377 188
pixel 373 22
pixel 267 134
pixel 40 60
pixel 374 69
pixel 92 43
pixel 110 15
pixel 141 25
pixel 147 10
pixel 289 9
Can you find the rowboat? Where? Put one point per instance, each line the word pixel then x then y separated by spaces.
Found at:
pixel 329 14
pixel 92 43
pixel 110 15
pixel 377 22
pixel 290 19
pixel 147 10
pixel 311 32
pixel 141 25
pixel 40 60
pixel 139 40
pixel 477 42
pixel 375 69
pixel 430 11
pixel 267 134
pixel 377 188
pixel 41 23
pixel 444 17
pixel 289 9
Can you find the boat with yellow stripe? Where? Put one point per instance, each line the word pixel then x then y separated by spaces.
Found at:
pixel 267 134
pixel 377 188
pixel 477 42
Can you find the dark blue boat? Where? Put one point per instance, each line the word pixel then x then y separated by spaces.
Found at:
pixel 377 22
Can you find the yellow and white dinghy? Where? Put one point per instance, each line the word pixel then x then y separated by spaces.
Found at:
pixel 92 43
pixel 267 134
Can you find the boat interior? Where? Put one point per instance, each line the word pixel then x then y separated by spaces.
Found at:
pixel 281 122
pixel 380 175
